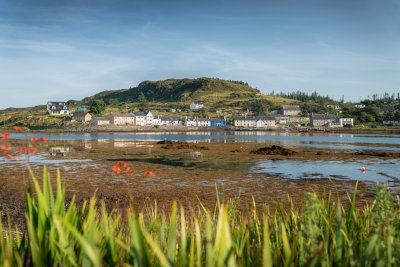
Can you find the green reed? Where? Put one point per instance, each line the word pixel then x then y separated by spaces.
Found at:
pixel 320 232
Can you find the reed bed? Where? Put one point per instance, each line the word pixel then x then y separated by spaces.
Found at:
pixel 319 232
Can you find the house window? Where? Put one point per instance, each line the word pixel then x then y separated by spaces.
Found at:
pixel 53 107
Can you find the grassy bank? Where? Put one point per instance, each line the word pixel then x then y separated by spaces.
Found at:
pixel 319 232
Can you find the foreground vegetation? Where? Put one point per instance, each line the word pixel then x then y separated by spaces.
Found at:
pixel 321 232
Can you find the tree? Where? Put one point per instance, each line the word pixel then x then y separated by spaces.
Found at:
pixel 97 106
pixel 143 103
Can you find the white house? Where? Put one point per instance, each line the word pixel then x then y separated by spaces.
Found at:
pixel 265 122
pixel 157 120
pixel 196 105
pixel 191 122
pixel 282 120
pixel 346 122
pixel 57 108
pixel 203 122
pixel 143 118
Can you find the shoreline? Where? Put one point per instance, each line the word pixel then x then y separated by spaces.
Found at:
pixel 183 129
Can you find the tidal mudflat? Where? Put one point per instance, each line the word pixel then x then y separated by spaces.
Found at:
pixel 191 172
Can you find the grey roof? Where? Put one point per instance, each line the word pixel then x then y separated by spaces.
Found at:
pixel 139 113
pixel 170 118
pixel 323 116
pixel 101 118
pixel 291 107
pixel 57 103
pixel 80 114
pixel 255 118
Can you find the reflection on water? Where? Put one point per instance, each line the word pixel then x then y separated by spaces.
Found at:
pixel 377 170
pixel 342 141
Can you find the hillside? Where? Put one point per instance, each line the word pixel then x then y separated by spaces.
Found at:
pixel 176 90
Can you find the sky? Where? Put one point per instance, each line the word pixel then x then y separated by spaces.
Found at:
pixel 70 49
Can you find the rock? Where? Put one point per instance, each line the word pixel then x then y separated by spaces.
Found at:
pixel 273 150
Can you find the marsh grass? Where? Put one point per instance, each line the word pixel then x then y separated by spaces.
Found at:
pixel 321 232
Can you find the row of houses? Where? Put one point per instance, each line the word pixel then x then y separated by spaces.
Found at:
pixel 148 119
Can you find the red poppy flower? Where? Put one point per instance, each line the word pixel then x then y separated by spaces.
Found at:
pixel 149 173
pixel 22 149
pixel 43 139
pixel 34 139
pixel 17 128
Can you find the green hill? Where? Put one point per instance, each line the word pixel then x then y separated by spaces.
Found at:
pixel 176 90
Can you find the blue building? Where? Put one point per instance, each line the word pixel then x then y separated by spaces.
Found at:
pixel 215 122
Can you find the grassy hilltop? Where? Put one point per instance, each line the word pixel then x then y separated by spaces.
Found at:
pixel 179 93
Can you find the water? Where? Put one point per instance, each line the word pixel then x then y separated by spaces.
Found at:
pixel 377 170
pixel 334 141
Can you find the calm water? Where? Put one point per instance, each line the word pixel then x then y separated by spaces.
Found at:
pixel 377 170
pixel 336 141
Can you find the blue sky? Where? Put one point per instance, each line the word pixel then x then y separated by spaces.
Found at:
pixel 60 50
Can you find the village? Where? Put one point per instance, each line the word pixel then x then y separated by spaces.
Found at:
pixel 290 115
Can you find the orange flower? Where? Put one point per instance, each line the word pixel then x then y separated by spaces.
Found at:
pixel 17 128
pixel 149 173
pixel 22 149
pixel 9 157
pixel 121 163
pixel 43 139
pixel 5 135
pixel 128 170
pixel 116 170
pixel 34 139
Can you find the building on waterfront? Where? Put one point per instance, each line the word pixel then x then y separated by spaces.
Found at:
pixel 325 120
pixel 122 119
pixel 292 110
pixel 143 118
pixel 170 120
pixel 329 120
pixel 254 122
pixel 82 116
pixel 343 122
pixel 304 120
pixel 196 105
pixel 99 121
pixel 282 119
pixel 57 108
pixel 203 122
pixel 216 122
